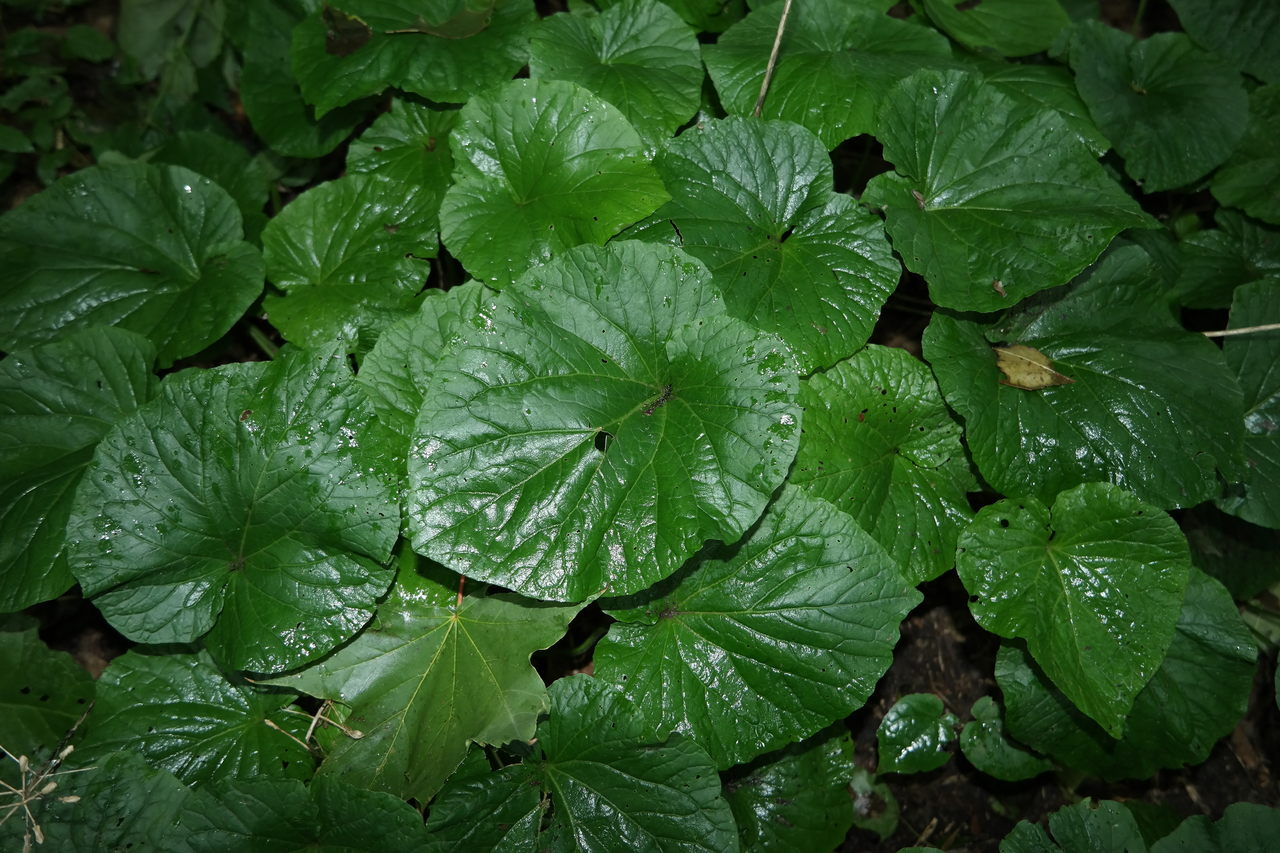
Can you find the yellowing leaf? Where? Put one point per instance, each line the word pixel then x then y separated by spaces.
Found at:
pixel 1027 368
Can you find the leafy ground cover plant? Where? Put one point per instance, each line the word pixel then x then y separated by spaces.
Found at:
pixel 474 419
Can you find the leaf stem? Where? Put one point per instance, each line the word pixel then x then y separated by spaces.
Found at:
pixel 264 343
pixel 1244 330
pixel 773 59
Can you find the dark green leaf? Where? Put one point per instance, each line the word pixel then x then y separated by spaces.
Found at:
pixel 837 60
pixel 249 504
pixel 636 54
pixel 57 401
pixel 351 256
pixel 1244 31
pixel 875 808
pixel 1218 260
pixel 1151 406
pixel 154 249
pixel 1094 586
pixel 880 444
pixel 226 164
pixel 712 16
pixel 546 165
pixel 1244 828
pixel 85 42
pixel 402 51
pixel 1255 359
pixel 1096 827
pixel 281 815
pixel 988 747
pixel 992 199
pixel 1250 180
pixel 605 783
pixel 427 678
pixel 1196 697
pixel 157 33
pixel 753 201
pixel 796 622
pixel 1239 555
pixel 1009 27
pixel 794 799
pixel 914 735
pixel 43 692
pixel 180 713
pixel 1172 111
pixel 1051 86
pixel 596 424
pixel 409 144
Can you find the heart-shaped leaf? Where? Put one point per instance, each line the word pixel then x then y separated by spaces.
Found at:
pixel 914 735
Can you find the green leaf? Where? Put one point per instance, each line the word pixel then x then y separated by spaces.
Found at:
pixel 1089 825
pixel 1172 111
pixel 1244 828
pixel 85 42
pixel 914 735
pixel 712 16
pixel 272 98
pixel 992 200
pixel 1051 86
pixel 351 256
pixel 795 799
pixel 282 815
pixel 225 163
pixel 396 372
pixel 57 401
pixel 1244 31
pixel 180 713
pixel 636 54
pixel 796 622
pixel 43 692
pixel 427 678
pixel 596 424
pixel 1255 359
pixel 604 783
pixel 753 201
pixel 1009 27
pixel 1239 555
pixel 157 33
pixel 838 58
pixel 1218 260
pixel 154 249
pixel 409 144
pixel 400 51
pixel 1250 179
pixel 14 141
pixel 119 803
pixel 546 165
pixel 1094 586
pixel 250 505
pixel 1197 696
pixel 875 808
pixel 988 747
pixel 1151 406
pixel 880 444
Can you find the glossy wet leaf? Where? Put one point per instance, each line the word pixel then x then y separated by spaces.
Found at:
pixel 250 505
pixel 1094 585
pixel 123 804
pixel 1099 827
pixel 796 798
pixel 547 165
pixel 595 424
pixel 608 781
pixel 988 747
pixel 795 623
pixel 914 735
pixel 1243 31
pixel 401 52
pixel 753 201
pixel 1009 27
pixel 1049 86
pixel 427 678
pixel 1152 408
pixel 636 54
pixel 409 143
pixel 879 443
pixel 991 199
pixel 181 713
pixel 838 58
pixel 57 401
pixel 1197 696
pixel 156 250
pixel 1255 359
pixel 1248 180
pixel 284 815
pixel 43 692
pixel 350 255
pixel 1172 111
pixel 396 372
pixel 1216 261
pixel 227 164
